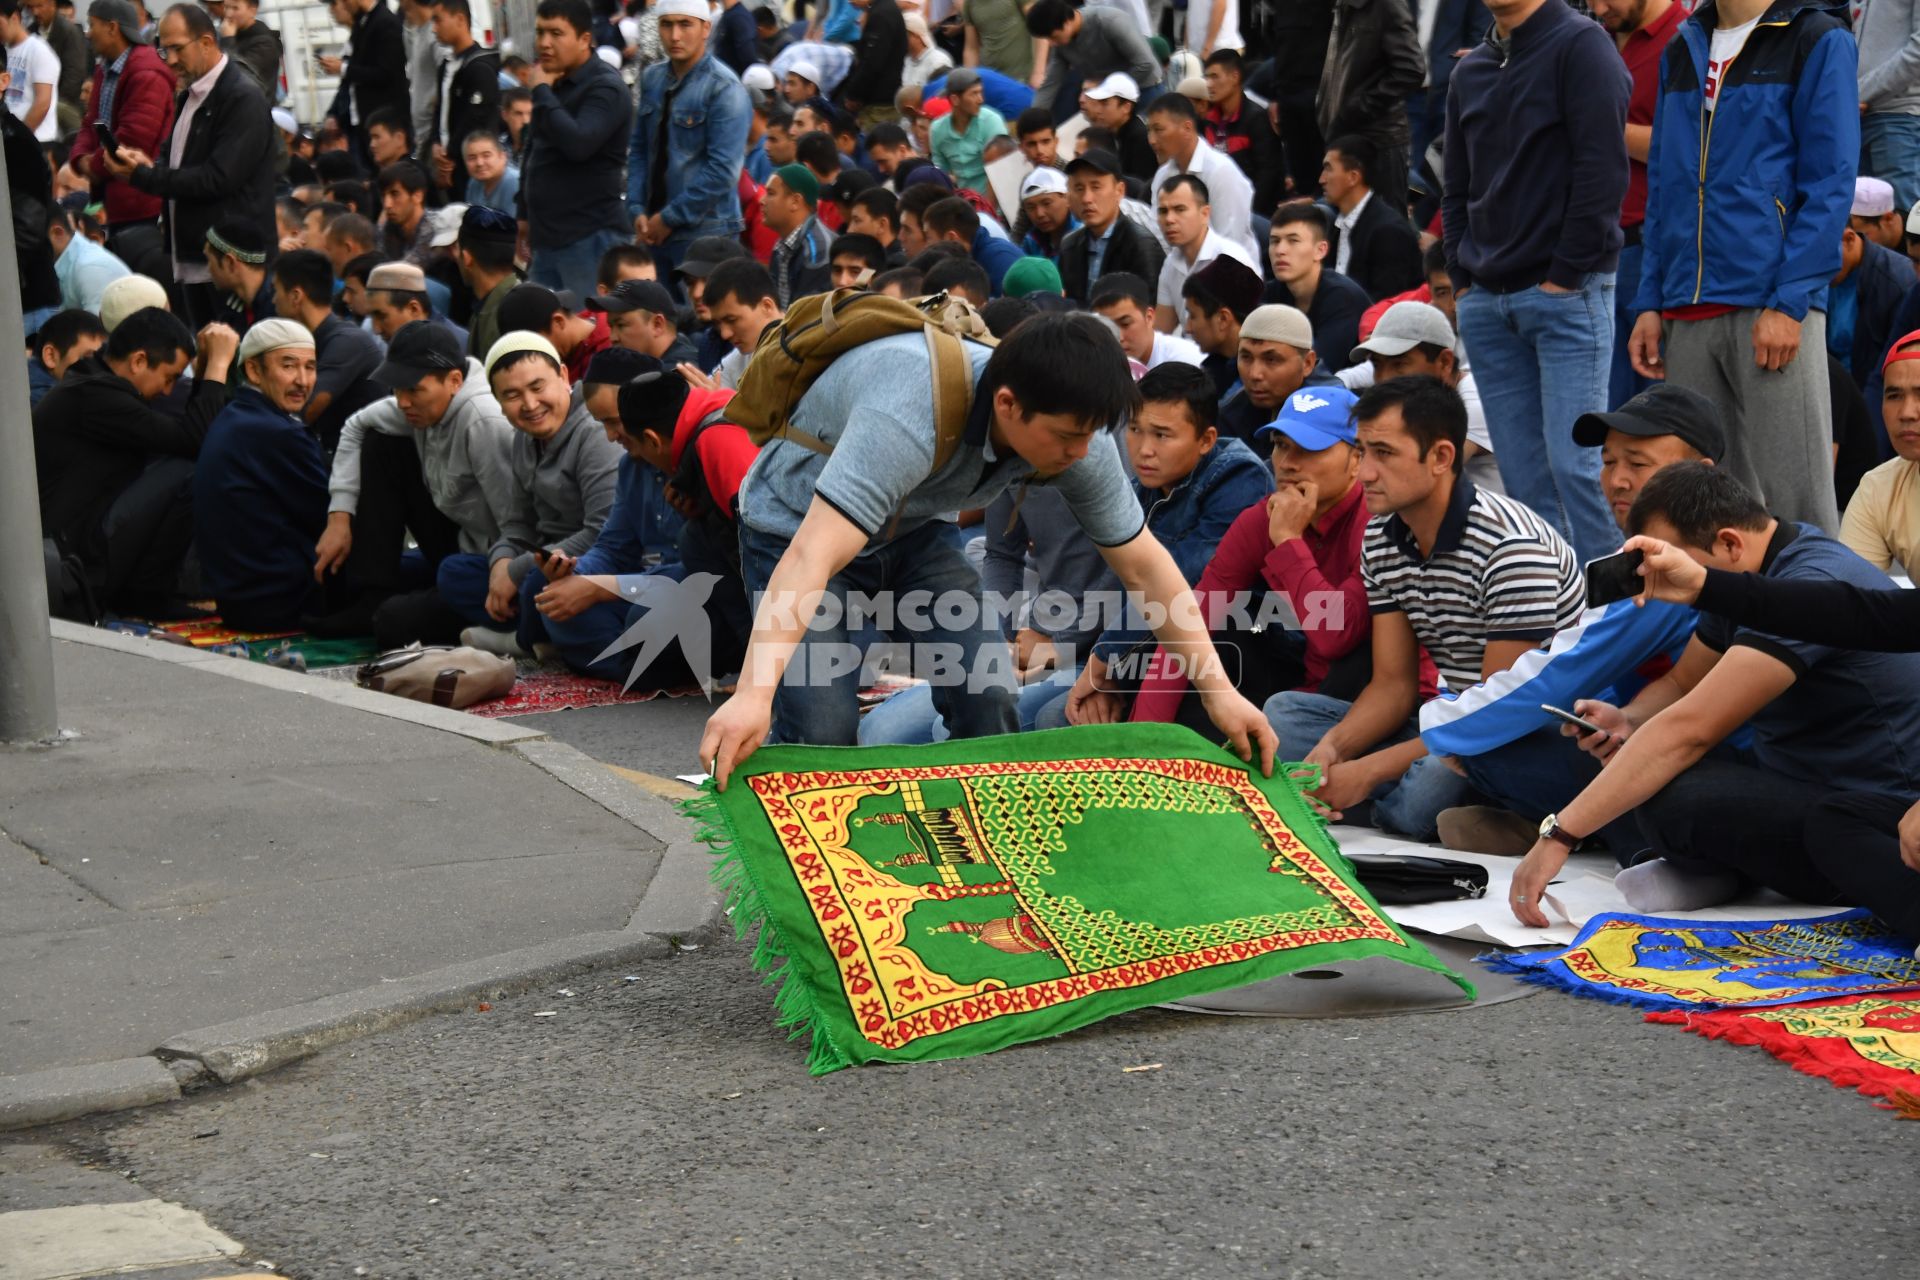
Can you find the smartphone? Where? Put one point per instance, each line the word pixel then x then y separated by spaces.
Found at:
pixel 108 143
pixel 1585 726
pixel 1615 577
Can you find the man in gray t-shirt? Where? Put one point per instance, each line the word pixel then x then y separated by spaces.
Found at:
pixel 865 520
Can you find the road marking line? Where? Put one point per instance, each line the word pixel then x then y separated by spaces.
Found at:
pixel 666 788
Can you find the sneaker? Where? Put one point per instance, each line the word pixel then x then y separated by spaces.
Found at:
pixel 489 640
pixel 1481 828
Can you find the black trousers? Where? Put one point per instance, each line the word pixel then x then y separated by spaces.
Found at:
pixel 393 503
pixel 1304 147
pixel 1853 842
pixel 146 534
pixel 1796 836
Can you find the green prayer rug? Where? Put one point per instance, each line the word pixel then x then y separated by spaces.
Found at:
pixel 915 903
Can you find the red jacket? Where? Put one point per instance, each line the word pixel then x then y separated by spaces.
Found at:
pixel 725 450
pixel 1312 571
pixel 142 120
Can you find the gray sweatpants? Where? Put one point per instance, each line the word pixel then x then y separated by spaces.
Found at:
pixel 1779 425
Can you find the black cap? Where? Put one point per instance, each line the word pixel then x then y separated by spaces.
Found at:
pixel 634 295
pixel 529 307
pixel 1664 409
pixel 1098 159
pixel 480 223
pixel 652 402
pixel 617 366
pixel 421 348
pixel 849 184
pixel 708 252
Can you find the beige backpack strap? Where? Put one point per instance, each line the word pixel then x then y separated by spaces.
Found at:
pixel 952 392
pixel 805 439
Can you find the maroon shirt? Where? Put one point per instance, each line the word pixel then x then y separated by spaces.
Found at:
pixel 1326 558
pixel 1642 53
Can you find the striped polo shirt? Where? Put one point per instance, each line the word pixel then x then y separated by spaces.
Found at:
pixel 1497 572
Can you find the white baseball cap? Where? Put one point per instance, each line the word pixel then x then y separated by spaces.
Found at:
pixel 1117 85
pixel 1044 181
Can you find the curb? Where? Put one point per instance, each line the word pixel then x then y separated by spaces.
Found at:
pixel 680 906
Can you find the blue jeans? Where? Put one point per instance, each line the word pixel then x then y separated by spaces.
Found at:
pixel 1890 150
pixel 818 698
pixel 31 321
pixel 1623 384
pixel 1541 360
pixel 463 581
pixel 908 718
pixel 575 266
pixel 1410 806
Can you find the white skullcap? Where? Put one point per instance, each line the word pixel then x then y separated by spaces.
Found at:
pixel 805 70
pixel 127 295
pixel 697 9
pixel 273 335
pixel 758 76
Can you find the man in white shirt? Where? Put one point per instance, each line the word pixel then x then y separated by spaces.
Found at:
pixel 1124 301
pixel 1173 130
pixel 1186 222
pixel 35 71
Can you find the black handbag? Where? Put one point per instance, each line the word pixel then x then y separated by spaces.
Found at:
pixel 1407 880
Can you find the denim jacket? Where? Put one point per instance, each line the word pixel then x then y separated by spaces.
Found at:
pixel 1190 521
pixel 706 145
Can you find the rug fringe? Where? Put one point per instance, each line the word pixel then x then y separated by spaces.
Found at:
pixel 793 1007
pixel 1786 1048
pixel 1515 966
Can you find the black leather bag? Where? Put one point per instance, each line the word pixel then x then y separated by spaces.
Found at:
pixel 1396 880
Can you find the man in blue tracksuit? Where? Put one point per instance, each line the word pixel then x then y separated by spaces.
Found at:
pixel 689 139
pixel 1512 751
pixel 1749 183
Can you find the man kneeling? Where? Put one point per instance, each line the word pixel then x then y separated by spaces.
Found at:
pixel 865 518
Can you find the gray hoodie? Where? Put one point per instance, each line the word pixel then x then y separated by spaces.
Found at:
pixel 562 491
pixel 463 459
pixel 1889 38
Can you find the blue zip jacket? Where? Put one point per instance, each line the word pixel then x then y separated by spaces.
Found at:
pixel 1777 154
pixel 1597 657
pixel 995 254
pixel 639 522
pixel 706 145
pixel 1190 521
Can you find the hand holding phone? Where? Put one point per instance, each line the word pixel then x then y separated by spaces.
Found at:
pixel 1567 717
pixel 103 132
pixel 1614 577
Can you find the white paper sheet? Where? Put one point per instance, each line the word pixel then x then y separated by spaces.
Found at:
pixel 1582 891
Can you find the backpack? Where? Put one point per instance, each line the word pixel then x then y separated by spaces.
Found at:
pixel 796 350
pixel 444 675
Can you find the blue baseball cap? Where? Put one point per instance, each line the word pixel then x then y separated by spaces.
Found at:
pixel 1317 418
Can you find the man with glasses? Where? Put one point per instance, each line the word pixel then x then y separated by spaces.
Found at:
pixel 220 159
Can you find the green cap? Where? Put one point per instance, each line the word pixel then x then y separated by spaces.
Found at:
pixel 1031 275
pixel 1161 49
pixel 799 179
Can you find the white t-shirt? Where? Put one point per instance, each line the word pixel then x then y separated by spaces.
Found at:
pixel 1175 270
pixel 1167 347
pixel 33 62
pixel 1726 46
pixel 1200 13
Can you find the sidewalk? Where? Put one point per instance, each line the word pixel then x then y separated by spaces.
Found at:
pixel 223 845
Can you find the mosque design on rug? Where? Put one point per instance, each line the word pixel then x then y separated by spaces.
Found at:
pixel 937 909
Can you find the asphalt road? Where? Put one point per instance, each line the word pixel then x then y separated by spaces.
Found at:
pixel 662 1127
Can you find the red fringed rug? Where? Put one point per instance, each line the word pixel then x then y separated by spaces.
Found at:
pixel 539 691
pixel 1870 1043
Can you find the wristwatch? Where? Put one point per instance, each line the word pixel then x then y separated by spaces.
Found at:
pixel 1550 829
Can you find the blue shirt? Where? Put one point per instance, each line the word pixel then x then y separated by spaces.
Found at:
pixel 642 532
pixel 84 271
pixel 1850 720
pixel 1003 93
pixel 503 195
pixel 759 167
